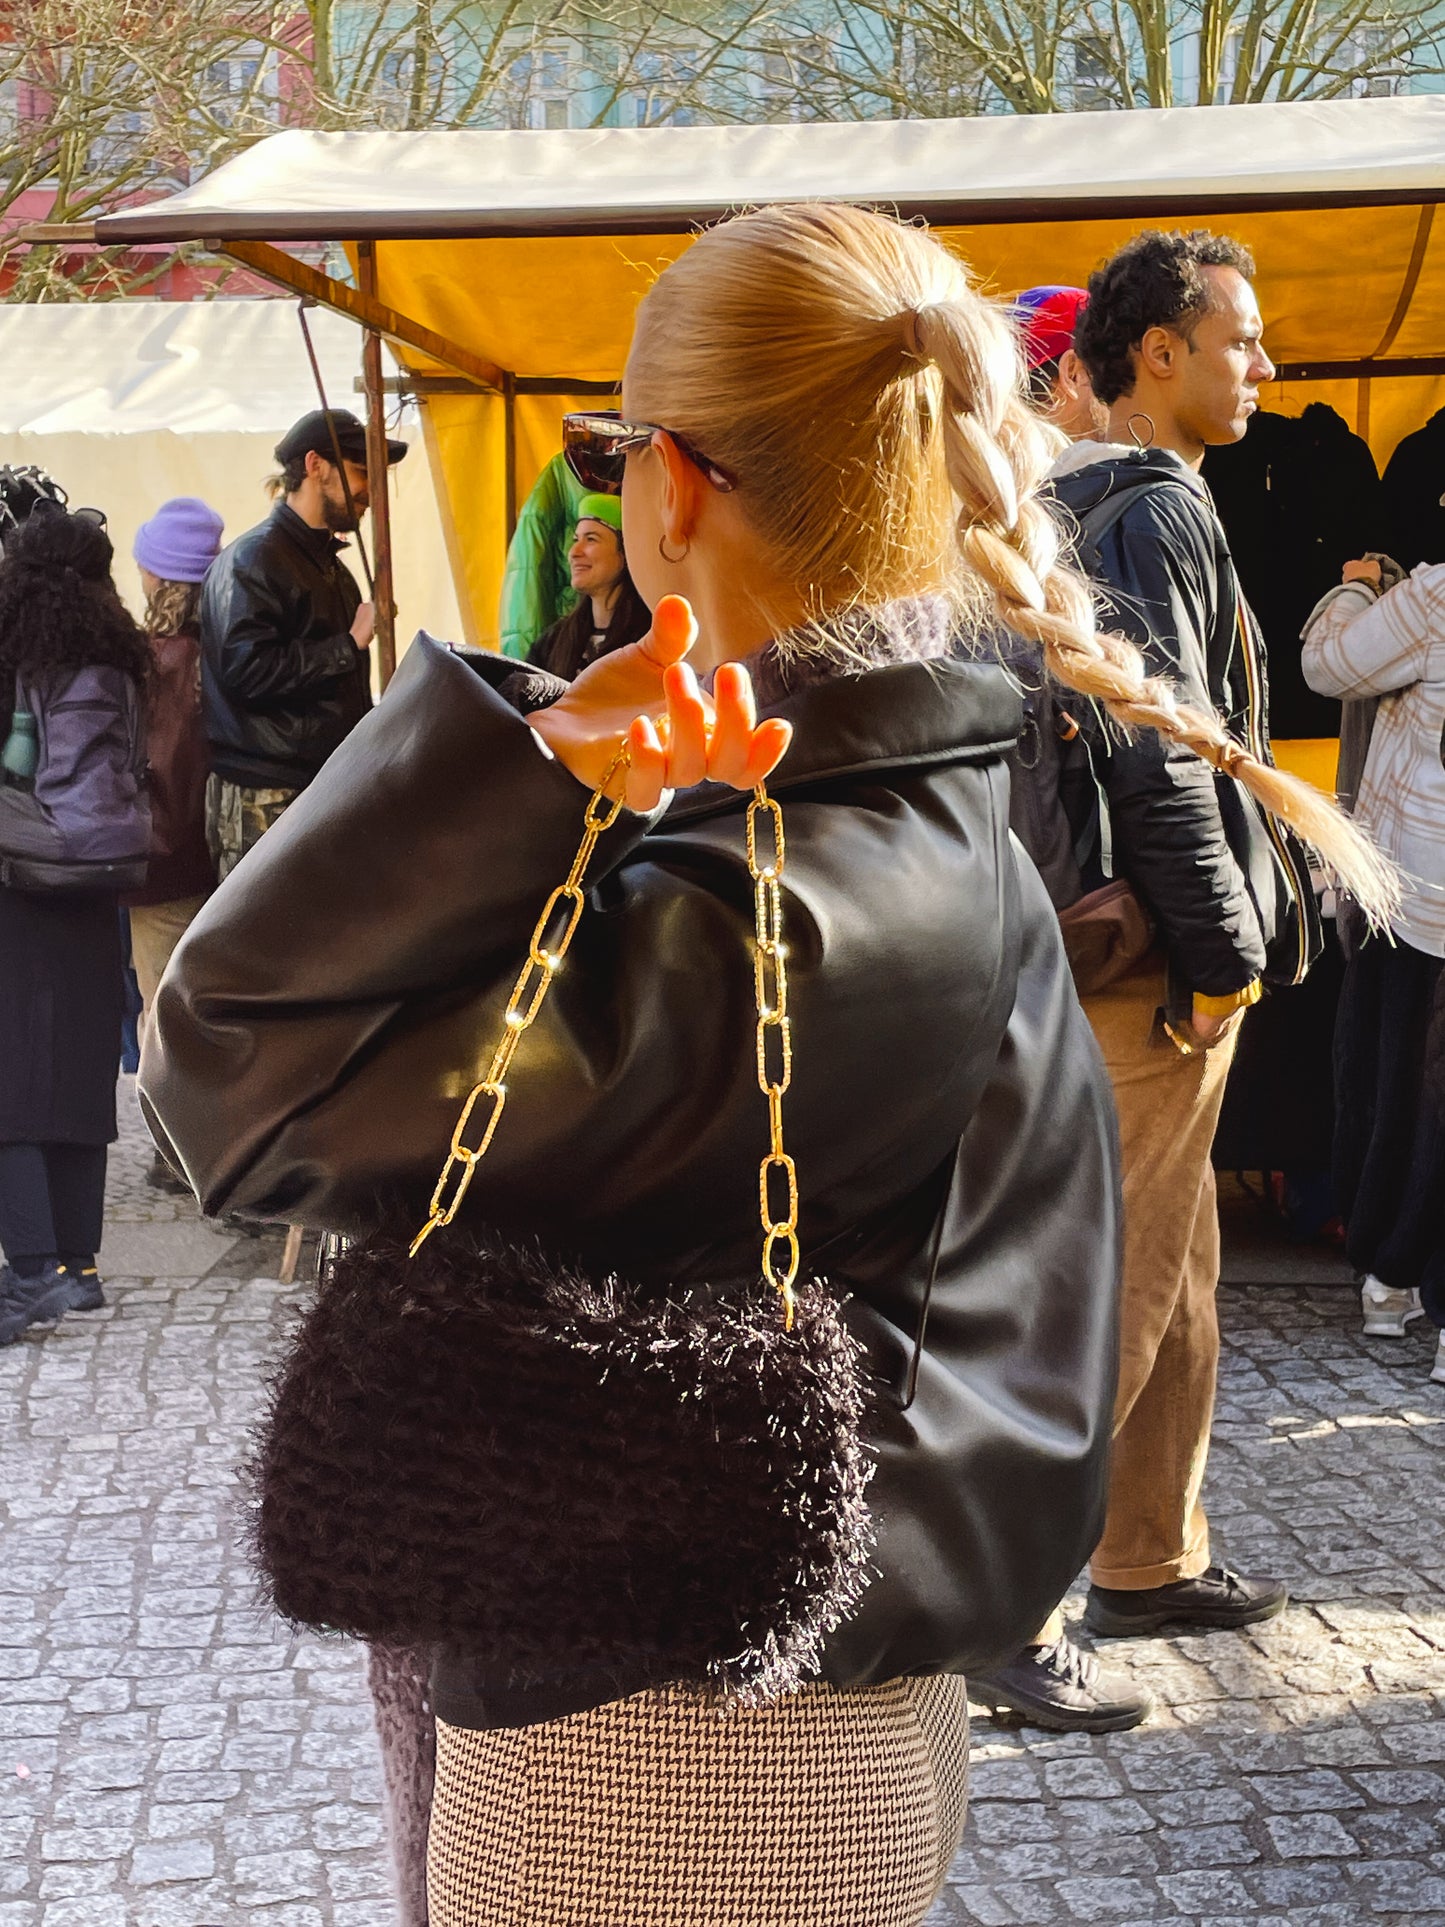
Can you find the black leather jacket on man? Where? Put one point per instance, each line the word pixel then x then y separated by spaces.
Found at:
pixel 1228 886
pixel 949 1115
pixel 281 680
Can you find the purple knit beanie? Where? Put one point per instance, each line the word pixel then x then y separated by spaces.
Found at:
pixel 180 541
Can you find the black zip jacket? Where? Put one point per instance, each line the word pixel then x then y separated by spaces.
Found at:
pixel 948 1113
pixel 1228 887
pixel 281 680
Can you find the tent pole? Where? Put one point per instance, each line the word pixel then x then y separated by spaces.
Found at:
pixel 301 278
pixel 378 475
pixel 509 402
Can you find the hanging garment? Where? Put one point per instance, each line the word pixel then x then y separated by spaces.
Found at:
pixel 1414 483
pixel 1298 499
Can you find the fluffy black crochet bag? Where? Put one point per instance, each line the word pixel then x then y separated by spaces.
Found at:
pixel 471 1441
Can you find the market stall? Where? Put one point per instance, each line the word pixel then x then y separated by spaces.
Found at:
pixel 505 267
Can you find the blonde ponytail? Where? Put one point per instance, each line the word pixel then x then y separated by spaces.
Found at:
pixel 870 403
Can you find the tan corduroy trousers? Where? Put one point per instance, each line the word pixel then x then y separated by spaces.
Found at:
pixel 155 930
pixel 1168 1106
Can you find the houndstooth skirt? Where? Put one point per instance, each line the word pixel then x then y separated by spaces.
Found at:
pixel 826 1809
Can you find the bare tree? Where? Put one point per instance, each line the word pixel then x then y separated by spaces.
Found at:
pixel 904 58
pixel 106 102
pixel 103 102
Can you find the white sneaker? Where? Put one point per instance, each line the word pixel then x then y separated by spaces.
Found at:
pixel 1388 1312
pixel 1438 1374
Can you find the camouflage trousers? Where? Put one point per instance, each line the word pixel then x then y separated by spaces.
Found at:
pixel 236 818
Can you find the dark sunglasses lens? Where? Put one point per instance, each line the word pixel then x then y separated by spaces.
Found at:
pixel 596 461
pixel 92 515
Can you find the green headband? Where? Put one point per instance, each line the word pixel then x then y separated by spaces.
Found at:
pixel 601 508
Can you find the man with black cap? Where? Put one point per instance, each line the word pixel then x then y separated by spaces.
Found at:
pixel 284 635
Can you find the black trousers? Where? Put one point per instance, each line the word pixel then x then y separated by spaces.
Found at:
pixel 1390 1117
pixel 52 1202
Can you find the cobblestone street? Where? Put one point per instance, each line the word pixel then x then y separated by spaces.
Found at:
pixel 169 1757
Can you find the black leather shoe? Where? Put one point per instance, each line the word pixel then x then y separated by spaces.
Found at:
pixel 160 1177
pixel 32 1301
pixel 1064 1689
pixel 86 1293
pixel 1217 1598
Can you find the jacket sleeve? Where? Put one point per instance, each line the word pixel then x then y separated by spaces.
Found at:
pixel 530 583
pixel 1358 644
pixel 251 654
pixel 457 868
pixel 328 1011
pixel 1168 831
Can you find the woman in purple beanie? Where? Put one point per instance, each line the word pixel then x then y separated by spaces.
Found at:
pixel 173 549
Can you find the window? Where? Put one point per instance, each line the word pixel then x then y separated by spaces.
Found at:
pixel 1094 72
pixel 668 88
pixel 1382 64
pixel 802 83
pixel 391 94
pixel 240 88
pixel 1228 63
pixel 550 87
pixel 396 72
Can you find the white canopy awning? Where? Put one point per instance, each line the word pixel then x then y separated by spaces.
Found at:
pixel 127 403
pixel 134 367
pixel 315 186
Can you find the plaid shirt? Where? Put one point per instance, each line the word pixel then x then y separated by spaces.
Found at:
pixel 1358 644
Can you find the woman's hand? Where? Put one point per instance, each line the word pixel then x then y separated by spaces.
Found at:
pixel 646 696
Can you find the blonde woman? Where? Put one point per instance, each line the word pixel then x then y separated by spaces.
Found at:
pixel 825 450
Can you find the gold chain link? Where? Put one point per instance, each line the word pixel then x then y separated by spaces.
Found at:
pixel 781 1257
pixel 544 959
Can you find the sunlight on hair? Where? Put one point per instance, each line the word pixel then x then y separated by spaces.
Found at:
pixel 871 403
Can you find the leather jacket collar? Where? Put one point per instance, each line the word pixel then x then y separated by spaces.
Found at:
pixel 320 544
pixel 904 715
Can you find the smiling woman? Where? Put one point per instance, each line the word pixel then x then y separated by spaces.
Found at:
pixel 609 613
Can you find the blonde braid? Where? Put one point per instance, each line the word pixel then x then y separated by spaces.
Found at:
pixel 997 454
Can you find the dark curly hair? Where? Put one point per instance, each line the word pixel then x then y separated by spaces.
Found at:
pixel 1155 281
pixel 59 608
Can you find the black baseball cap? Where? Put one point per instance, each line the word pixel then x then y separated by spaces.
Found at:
pixel 314 432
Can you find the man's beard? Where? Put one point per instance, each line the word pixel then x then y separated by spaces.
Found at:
pixel 339 518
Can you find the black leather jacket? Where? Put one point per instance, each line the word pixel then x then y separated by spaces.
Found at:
pixel 949 1114
pixel 1228 887
pixel 281 680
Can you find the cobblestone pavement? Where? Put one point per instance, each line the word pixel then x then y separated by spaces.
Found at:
pixel 169 1757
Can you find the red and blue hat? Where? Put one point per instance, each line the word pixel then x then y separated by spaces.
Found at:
pixel 1047 318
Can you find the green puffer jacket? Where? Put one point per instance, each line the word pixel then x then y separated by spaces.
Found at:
pixel 536 588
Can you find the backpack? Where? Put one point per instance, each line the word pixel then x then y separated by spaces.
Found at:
pixel 1106 930
pixel 58 837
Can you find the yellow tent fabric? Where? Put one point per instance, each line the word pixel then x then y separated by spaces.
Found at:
pixel 1329 284
pixel 532 249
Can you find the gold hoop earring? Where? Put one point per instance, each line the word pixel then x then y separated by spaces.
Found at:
pixel 662 550
pixel 1141 442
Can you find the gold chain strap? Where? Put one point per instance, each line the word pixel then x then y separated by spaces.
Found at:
pixel 775 1047
pixel 774 1034
pixel 529 993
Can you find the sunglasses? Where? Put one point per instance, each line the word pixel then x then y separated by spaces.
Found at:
pixel 596 450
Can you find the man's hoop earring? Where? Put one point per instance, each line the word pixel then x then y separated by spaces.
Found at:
pixel 1141 442
pixel 662 550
